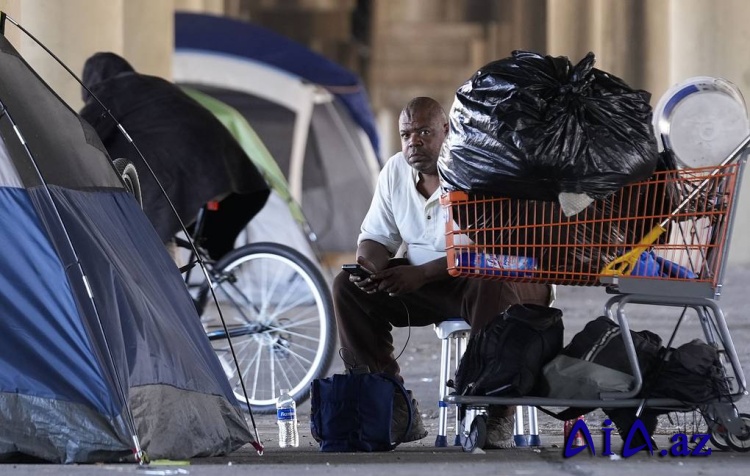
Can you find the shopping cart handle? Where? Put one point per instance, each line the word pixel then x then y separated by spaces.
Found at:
pixel 625 264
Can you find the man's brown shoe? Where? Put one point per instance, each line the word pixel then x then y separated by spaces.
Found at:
pixel 401 419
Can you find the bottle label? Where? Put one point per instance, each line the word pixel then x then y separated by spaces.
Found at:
pixel 285 414
pixel 497 265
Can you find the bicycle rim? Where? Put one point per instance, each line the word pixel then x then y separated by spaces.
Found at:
pixel 279 315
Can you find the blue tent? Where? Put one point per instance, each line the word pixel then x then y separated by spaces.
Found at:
pixel 102 354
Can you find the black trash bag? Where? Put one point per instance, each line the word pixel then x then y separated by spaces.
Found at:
pixel 532 126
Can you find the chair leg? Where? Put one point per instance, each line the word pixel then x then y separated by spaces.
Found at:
pixel 534 439
pixel 519 436
pixel 461 341
pixel 445 362
pixel 519 433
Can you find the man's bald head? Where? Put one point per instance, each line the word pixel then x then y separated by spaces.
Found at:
pixel 424 105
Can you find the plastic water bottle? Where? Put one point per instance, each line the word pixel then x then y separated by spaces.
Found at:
pixel 286 416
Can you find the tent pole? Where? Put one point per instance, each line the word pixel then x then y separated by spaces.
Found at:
pixel 299 144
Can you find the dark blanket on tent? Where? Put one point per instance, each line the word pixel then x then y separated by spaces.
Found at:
pixel 192 154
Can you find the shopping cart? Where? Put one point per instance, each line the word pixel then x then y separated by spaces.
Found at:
pixel 660 242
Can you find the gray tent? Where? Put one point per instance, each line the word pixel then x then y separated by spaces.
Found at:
pixel 312 115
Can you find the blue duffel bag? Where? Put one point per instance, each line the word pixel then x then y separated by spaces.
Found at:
pixel 352 412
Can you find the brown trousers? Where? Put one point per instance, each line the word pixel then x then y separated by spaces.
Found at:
pixel 365 320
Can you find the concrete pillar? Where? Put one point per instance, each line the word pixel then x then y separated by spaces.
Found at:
pixel 611 29
pixel 139 30
pixel 630 38
pixel 518 25
pixel 12 8
pixel 422 10
pixel 619 29
pixel 571 28
pixel 710 39
pixel 655 47
pixel 72 30
pixel 215 7
pixel 148 36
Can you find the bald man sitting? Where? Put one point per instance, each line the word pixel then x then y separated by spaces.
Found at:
pixel 415 290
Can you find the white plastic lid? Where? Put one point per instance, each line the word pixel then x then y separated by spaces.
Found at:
pixel 702 120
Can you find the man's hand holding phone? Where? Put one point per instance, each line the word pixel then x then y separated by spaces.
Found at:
pixel 361 276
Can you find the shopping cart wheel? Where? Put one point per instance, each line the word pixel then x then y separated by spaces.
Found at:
pixel 716 427
pixel 476 437
pixel 740 442
pixel 718 438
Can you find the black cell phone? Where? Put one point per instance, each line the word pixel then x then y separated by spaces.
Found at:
pixel 356 270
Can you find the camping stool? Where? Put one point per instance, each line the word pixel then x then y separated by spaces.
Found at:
pixel 457 330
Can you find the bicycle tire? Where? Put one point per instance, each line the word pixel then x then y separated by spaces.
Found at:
pixel 268 338
pixel 129 176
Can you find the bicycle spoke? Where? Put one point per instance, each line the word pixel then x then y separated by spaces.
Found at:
pixel 257 371
pixel 284 295
pixel 273 369
pixel 270 290
pixel 295 334
pixel 281 306
pixel 281 310
pixel 235 294
pixel 299 358
pixel 287 324
pixel 282 370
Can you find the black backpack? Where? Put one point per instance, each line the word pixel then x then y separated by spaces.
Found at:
pixel 595 361
pixel 506 357
pixel 692 373
pixel 601 342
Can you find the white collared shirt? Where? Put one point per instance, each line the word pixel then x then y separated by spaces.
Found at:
pixel 400 214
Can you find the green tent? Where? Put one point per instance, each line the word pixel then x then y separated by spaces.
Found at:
pixel 273 223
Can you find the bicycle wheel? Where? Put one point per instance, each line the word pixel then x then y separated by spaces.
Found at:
pixel 129 176
pixel 279 314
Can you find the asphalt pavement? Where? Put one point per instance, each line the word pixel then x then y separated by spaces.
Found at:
pixel 420 362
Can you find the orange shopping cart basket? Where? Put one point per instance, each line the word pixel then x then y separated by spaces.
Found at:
pixel 666 235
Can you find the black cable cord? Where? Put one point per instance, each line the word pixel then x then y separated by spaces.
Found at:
pixel 353 365
pixel 408 327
